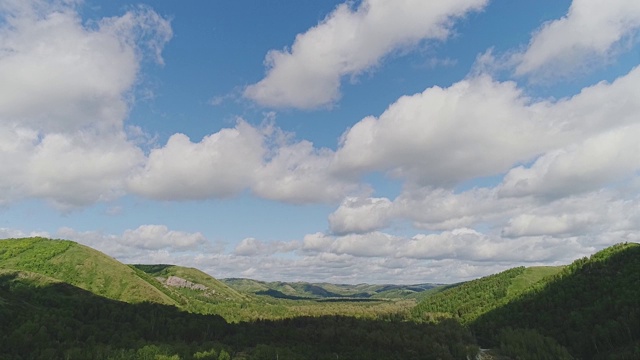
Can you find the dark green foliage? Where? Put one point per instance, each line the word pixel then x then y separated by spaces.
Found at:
pixel 526 344
pixel 469 300
pixel 57 320
pixel 592 307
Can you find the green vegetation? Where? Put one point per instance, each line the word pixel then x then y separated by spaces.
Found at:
pixel 305 290
pixel 215 288
pixel 468 301
pixel 47 319
pixel 59 299
pixel 81 266
pixel 592 307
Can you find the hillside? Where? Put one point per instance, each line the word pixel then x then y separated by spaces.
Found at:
pixel 80 266
pixel 305 290
pixel 467 301
pixel 592 307
pixel 190 281
pixel 43 318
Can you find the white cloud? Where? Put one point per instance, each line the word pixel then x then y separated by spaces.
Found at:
pixel 254 247
pixel 154 237
pixel 603 159
pixel 366 245
pixel 64 97
pixel 592 31
pixel 360 215
pixel 79 170
pixel 223 164
pixel 442 136
pixel 298 173
pixel 8 233
pixel 316 242
pixel 220 165
pixel 148 241
pixel 348 42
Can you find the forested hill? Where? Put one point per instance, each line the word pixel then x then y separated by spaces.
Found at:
pixel 592 307
pixel 469 300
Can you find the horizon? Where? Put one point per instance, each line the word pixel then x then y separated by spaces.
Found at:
pixel 371 141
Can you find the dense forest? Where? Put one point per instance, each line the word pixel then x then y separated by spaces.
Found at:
pixel 59 299
pixel 44 320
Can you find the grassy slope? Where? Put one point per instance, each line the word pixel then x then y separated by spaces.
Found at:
pixel 529 277
pixel 80 266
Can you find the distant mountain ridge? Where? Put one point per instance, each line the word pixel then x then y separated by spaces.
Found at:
pixel 305 290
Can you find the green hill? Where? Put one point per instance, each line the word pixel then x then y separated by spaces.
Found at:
pixel 191 281
pixel 467 301
pixel 80 266
pixel 592 307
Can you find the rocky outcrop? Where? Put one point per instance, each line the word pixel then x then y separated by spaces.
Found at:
pixel 176 281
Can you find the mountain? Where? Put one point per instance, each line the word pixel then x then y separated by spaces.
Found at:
pixel 306 290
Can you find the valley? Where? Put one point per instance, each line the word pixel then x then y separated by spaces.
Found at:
pixel 60 299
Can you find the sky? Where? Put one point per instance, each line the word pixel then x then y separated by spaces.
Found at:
pixel 377 141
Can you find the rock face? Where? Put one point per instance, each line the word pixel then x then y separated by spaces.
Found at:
pixel 183 283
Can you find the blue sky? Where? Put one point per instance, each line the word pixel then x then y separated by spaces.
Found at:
pixel 369 141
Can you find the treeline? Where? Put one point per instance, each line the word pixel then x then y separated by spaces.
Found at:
pixel 61 321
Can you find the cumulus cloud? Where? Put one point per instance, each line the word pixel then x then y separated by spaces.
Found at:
pixel 261 159
pixel 461 244
pixel 254 247
pixel 347 42
pixel 444 135
pixel 145 244
pixel 64 98
pixel 360 215
pixel 154 237
pixel 592 31
pixel 220 165
pixel 605 158
pixel 299 173
pixel 480 127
